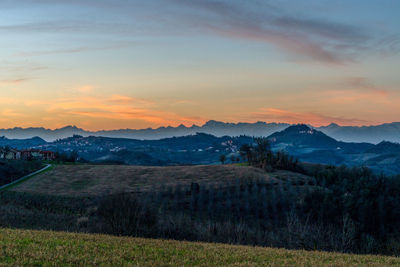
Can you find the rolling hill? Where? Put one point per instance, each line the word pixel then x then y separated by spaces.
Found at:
pixel 220 203
pixel 303 136
pixel 385 148
pixel 199 148
pixel 311 145
pixel 67 197
pixel 97 180
pixel 21 143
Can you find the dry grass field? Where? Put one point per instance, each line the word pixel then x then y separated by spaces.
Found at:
pixel 94 180
pixel 46 248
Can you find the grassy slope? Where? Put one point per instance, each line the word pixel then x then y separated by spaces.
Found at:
pixel 91 180
pixel 63 197
pixel 24 247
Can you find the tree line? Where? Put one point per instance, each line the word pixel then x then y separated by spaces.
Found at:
pixel 260 155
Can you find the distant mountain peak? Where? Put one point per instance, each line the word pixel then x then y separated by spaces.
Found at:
pixel 333 125
pixel 70 127
pixel 303 135
pixel 37 138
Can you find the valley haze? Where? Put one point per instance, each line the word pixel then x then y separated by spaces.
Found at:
pixel 371 134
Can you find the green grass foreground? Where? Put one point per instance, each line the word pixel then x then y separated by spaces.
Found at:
pixel 37 248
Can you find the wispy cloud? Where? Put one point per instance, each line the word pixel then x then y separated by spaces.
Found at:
pixel 118 107
pixel 14 81
pixel 356 90
pixel 81 49
pixel 304 38
pixel 122 99
pixel 17 73
pixel 345 97
pixel 364 86
pixel 301 36
pixel 326 29
pixel 11 113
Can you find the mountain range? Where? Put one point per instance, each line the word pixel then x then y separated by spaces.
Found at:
pixel 371 134
pixel 211 127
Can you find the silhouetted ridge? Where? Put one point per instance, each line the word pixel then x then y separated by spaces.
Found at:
pixel 303 135
pixel 385 147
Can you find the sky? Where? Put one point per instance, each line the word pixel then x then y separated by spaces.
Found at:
pixel 112 64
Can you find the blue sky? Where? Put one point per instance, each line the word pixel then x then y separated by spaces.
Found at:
pixel 133 64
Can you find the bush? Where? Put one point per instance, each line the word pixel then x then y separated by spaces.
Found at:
pixel 124 214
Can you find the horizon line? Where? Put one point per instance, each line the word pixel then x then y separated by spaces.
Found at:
pixel 193 125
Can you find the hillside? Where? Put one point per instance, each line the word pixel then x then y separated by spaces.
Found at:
pixel 303 136
pixel 385 148
pixel 184 150
pixel 314 146
pixel 217 204
pixel 33 248
pixel 79 198
pixel 21 143
pixel 95 180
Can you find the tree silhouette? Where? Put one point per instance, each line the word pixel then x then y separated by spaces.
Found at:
pixel 222 158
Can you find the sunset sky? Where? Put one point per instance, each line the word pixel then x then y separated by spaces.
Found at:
pixel 110 64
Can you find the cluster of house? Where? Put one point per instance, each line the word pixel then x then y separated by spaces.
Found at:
pixel 26 154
